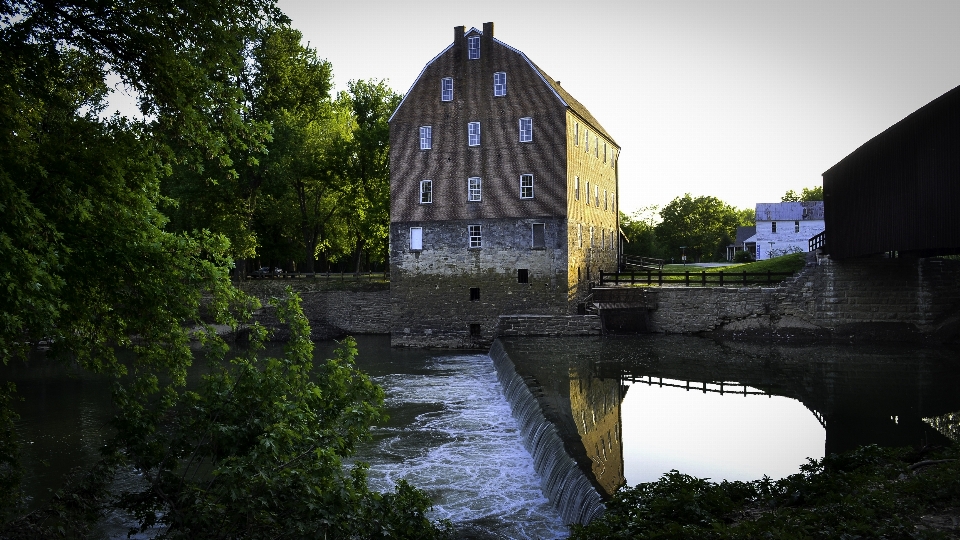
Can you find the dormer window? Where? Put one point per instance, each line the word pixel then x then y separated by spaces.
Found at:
pixel 446 89
pixel 473 47
pixel 499 84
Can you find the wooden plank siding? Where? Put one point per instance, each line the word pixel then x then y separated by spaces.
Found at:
pixel 899 192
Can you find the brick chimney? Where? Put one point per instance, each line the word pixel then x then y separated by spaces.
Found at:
pixel 458 32
pixel 488 30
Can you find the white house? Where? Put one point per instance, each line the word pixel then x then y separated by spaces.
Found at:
pixel 786 227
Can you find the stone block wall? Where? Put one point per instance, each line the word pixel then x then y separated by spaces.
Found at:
pixel 548 325
pixel 332 313
pixel 870 298
pixel 448 295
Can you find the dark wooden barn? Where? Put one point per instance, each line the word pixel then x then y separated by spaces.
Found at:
pixel 899 192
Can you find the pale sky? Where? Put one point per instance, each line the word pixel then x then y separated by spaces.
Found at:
pixel 741 100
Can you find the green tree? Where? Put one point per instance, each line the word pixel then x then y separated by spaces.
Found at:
pixel 807 194
pixel 368 167
pixel 703 225
pixel 93 268
pixel 640 230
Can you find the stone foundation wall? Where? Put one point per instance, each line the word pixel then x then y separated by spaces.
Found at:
pixel 333 313
pixel 548 325
pixel 876 298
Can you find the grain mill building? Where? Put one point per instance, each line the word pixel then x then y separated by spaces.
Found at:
pixel 503 196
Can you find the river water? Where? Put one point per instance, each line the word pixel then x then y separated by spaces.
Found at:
pixel 625 410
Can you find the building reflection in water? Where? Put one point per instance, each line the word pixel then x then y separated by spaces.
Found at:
pixel 852 396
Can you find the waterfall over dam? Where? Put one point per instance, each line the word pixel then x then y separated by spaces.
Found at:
pixel 562 480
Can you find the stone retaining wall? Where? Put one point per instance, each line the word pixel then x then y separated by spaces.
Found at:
pixel 548 325
pixel 333 313
pixel 875 298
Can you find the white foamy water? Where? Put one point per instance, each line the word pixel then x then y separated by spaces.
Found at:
pixel 453 435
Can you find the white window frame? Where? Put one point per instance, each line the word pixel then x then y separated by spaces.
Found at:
pixel 426 137
pixel 533 235
pixel 526 186
pixel 473 134
pixel 473 48
pixel 474 185
pixel 446 89
pixel 586 194
pixel 526 129
pixel 475 236
pixel 586 140
pixel 426 191
pixel 591 237
pixel 576 188
pixel 416 238
pixel 500 84
pixel 596 194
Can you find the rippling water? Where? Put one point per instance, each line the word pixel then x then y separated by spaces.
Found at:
pixel 452 434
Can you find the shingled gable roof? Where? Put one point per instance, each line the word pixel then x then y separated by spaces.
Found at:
pixel 569 101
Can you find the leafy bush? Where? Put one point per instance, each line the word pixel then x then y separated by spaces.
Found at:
pixel 868 493
pixel 743 257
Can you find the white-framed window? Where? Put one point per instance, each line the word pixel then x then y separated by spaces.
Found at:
pixel 586 140
pixel 591 237
pixel 416 238
pixel 476 236
pixel 526 186
pixel 426 191
pixel 576 133
pixel 473 134
pixel 538 236
pixel 596 195
pixel 473 188
pixel 576 188
pixel 446 89
pixel 473 47
pixel 526 129
pixel 586 193
pixel 500 83
pixel 426 137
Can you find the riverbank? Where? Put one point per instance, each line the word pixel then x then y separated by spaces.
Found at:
pixel 867 493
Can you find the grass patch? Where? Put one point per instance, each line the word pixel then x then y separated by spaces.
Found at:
pixel 872 492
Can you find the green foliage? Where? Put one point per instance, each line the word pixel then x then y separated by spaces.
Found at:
pixel 807 194
pixel 93 267
pixel 743 257
pixel 256 451
pixel 640 231
pixel 704 225
pixel 867 493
